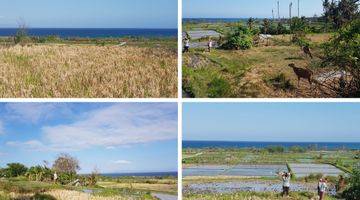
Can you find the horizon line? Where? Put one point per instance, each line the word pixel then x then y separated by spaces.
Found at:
pixel 87 28
pixel 265 141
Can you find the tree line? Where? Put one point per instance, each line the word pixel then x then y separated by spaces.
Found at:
pixel 63 171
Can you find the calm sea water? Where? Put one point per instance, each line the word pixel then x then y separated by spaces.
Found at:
pixel 222 144
pixel 93 32
pixel 213 20
pixel 144 174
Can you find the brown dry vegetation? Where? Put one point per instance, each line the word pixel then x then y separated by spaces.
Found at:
pixel 159 187
pixel 78 71
pixel 66 195
pixel 249 72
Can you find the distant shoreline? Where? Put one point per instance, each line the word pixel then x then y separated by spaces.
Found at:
pixel 257 144
pixel 94 32
pixel 140 174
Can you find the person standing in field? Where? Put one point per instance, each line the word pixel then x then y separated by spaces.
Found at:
pixel 55 177
pixel 322 188
pixel 186 45
pixel 286 176
pixel 210 44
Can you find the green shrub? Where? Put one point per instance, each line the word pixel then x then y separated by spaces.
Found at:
pixel 275 149
pixel 281 82
pixel 353 191
pixel 15 170
pixel 299 38
pixel 66 178
pixel 39 173
pixel 218 88
pixel 241 38
pixel 297 149
pixel 343 51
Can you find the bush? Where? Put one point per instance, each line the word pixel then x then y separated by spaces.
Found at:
pixel 313 177
pixel 241 38
pixel 299 38
pixel 275 149
pixel 218 88
pixel 66 178
pixel 343 51
pixel 297 149
pixel 281 82
pixel 353 191
pixel 39 173
pixel 15 169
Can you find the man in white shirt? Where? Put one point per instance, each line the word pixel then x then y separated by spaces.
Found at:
pixel 322 188
pixel 210 45
pixel 286 176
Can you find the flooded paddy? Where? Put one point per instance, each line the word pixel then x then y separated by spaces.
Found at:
pixel 198 34
pixel 238 170
pixel 302 170
pixel 205 170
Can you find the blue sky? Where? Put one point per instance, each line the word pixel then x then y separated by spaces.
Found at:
pixel 114 138
pixel 247 8
pixel 284 122
pixel 89 13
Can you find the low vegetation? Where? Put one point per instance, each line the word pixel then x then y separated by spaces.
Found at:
pixel 252 56
pixel 52 67
pixel 62 182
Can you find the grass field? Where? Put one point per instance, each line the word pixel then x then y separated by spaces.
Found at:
pixel 142 188
pixel 57 70
pixel 253 72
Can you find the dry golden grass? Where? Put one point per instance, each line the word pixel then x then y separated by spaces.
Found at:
pixel 315 38
pixel 66 195
pixel 159 187
pixel 64 71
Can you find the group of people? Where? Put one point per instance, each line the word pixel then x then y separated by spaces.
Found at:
pixel 187 45
pixel 286 177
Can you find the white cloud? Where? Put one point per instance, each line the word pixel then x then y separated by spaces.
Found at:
pixel 31 144
pixel 34 112
pixel 113 126
pixel 122 162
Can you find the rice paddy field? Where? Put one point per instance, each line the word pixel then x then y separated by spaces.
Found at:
pixel 85 70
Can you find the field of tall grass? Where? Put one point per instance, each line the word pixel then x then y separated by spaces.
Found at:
pixel 92 71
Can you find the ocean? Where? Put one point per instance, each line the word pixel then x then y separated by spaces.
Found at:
pixel 239 144
pixel 141 174
pixel 213 20
pixel 93 32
